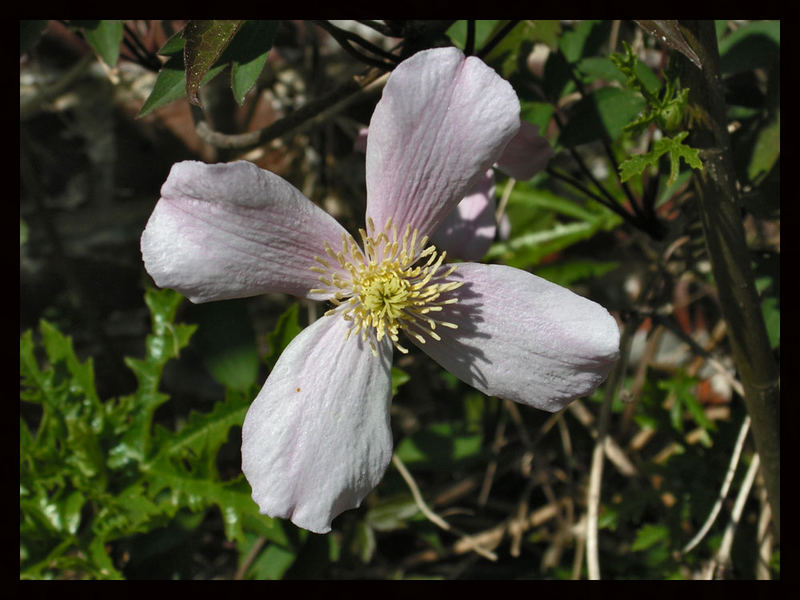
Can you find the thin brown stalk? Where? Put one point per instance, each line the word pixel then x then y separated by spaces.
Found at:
pixel 721 216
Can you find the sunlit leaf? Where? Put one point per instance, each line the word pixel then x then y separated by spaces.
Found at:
pixel 392 512
pixel 205 42
pixel 170 85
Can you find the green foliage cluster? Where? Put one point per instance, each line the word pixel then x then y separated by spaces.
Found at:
pixel 95 471
pixel 203 50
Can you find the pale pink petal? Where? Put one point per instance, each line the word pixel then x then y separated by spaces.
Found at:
pixel 469 229
pixel 523 338
pixel 317 439
pixel 360 143
pixel 233 230
pixel 442 122
pixel 526 154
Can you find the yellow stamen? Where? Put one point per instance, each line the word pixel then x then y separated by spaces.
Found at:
pixel 392 285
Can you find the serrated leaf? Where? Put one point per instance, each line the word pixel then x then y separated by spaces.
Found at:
pixel 682 387
pixel 677 150
pixel 59 349
pixel 205 42
pixel 203 432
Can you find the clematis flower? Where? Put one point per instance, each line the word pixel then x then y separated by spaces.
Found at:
pixel 317 438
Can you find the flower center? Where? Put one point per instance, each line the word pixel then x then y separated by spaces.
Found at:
pixel 393 284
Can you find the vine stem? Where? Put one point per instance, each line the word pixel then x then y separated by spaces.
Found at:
pixel 730 257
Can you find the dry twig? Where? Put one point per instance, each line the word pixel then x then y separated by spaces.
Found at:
pixel 433 517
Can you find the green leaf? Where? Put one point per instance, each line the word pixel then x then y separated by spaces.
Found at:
pixel 770 308
pixel 574 43
pixel 594 68
pixel 677 150
pixel 597 68
pixel 538 233
pixel 682 387
pixel 648 536
pixel 271 563
pixel 205 42
pixel 604 112
pixel 287 327
pixel 512 51
pixel 766 150
pixel 104 36
pixel 574 271
pixel 483 30
pixel 170 84
pixel 227 342
pixel 752 46
pixel 392 513
pixel 440 446
pixel 364 544
pixel 399 377
pixel 537 113
pixel 248 54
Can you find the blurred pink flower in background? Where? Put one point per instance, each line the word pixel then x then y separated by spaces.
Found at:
pixel 471 227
